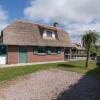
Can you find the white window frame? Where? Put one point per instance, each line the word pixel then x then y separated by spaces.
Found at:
pixel 49 34
pixel 46 37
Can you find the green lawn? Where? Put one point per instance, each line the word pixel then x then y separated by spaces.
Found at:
pixel 98 53
pixel 76 66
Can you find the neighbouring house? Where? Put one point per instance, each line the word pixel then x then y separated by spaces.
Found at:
pixel 81 51
pixel 25 42
pixel 75 52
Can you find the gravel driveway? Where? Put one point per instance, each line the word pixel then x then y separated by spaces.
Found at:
pixel 52 84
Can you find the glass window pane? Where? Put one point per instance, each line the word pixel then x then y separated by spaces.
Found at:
pixel 3 50
pixel 49 33
pixel 35 50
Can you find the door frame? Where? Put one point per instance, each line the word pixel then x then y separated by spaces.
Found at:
pixel 19 54
pixel 6 55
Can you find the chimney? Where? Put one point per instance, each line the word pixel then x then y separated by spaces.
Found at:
pixel 56 24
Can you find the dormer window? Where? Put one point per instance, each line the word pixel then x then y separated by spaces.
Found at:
pixel 49 34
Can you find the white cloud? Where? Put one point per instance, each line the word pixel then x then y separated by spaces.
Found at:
pixel 3 18
pixel 77 15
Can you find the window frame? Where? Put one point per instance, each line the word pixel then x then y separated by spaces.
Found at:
pixel 36 51
pixel 49 34
pixel 3 50
pixel 46 50
pixel 41 49
pixel 53 50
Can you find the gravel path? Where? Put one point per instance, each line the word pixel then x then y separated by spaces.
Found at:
pixel 52 84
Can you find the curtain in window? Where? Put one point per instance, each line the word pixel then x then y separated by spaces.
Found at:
pixel 59 50
pixel 48 49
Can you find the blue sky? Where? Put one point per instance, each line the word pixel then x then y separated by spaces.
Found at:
pixel 14 8
pixel 74 16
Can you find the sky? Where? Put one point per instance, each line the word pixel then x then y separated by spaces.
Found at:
pixel 74 16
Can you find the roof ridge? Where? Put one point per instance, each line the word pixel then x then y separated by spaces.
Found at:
pixel 35 23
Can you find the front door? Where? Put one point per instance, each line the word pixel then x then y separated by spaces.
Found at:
pixel 22 55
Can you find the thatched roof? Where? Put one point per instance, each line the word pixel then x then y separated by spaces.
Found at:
pixel 29 34
pixel 78 46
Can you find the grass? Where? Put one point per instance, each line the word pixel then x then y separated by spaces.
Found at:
pixel 79 66
pixel 98 53
pixel 76 66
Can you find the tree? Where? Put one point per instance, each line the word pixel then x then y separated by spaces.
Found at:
pixel 89 39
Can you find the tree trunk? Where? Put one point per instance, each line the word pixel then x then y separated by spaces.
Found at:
pixel 87 57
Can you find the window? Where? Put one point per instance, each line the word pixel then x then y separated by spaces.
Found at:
pixel 46 50
pixel 49 34
pixel 52 50
pixel 3 50
pixel 59 50
pixel 56 50
pixel 39 50
pixel 35 50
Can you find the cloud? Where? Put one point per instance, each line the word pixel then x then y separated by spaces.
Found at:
pixel 76 15
pixel 77 30
pixel 3 18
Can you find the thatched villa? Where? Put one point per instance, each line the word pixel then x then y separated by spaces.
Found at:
pixel 25 42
